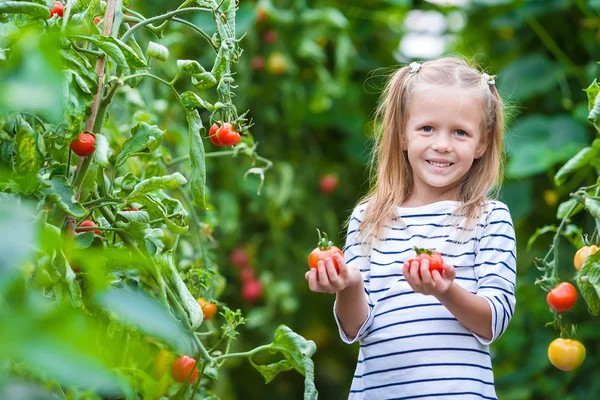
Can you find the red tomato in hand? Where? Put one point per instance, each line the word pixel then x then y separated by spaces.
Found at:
pixel 224 135
pixel 57 9
pixel 83 146
pixel 435 260
pixel 563 297
pixel 252 290
pixel 88 222
pixel 325 249
pixel 328 183
pixel 181 369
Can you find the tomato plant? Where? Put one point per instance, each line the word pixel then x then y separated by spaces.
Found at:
pixel 87 223
pixel 84 145
pixel 208 309
pixel 57 9
pixel 325 249
pixel 435 260
pixel 223 135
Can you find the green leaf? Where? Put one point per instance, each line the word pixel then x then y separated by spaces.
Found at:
pixel 84 240
pixel 593 206
pixel 588 281
pixel 102 148
pixel 22 7
pixel 201 79
pixel 529 76
pixel 197 158
pixel 110 48
pixel 564 208
pixel 148 315
pixel 172 181
pixel 579 161
pixel 539 232
pixel 538 142
pixel 594 115
pixel 297 352
pixel 157 51
pixel 269 372
pixel 192 101
pixel 136 64
pixel 62 194
pixel 27 157
pixel 592 92
pixel 144 138
pixel 189 303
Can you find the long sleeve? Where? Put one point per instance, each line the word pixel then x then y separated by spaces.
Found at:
pixel 495 268
pixel 356 255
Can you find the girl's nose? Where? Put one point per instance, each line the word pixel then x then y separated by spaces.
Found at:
pixel 442 145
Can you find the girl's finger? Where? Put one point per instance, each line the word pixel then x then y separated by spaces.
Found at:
pixel 425 274
pixel 331 272
pixel 414 273
pixel 436 277
pixel 341 263
pixel 313 284
pixel 322 274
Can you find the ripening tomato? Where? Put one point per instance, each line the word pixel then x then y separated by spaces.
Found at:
pixel 252 290
pixel 224 135
pixel 328 183
pixel 208 309
pixel 261 15
pixel 57 9
pixel 83 146
pixel 88 222
pixel 277 64
pixel 563 297
pixel 132 209
pixel 270 36
pixel 257 63
pixel 582 254
pixel 161 363
pixel 247 274
pixel 239 257
pixel 435 260
pixel 97 20
pixel 325 249
pixel 566 354
pixel 182 367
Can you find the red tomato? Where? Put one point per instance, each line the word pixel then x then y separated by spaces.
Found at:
pixel 238 257
pixel 57 9
pixel 247 275
pixel 88 222
pixel 208 309
pixel 435 260
pixel 97 20
pixel 181 369
pixel 328 183
pixel 325 249
pixel 252 290
pixel 257 63
pixel 261 15
pixel 563 297
pixel 132 209
pixel 224 135
pixel 83 146
pixel 270 36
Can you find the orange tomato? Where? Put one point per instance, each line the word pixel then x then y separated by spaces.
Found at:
pixel 582 254
pixel 208 309
pixel 566 354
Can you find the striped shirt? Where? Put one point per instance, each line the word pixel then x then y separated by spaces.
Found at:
pixel 411 346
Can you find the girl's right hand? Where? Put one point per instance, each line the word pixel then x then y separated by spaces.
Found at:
pixel 325 278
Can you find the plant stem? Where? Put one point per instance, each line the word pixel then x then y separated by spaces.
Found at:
pixel 244 354
pixel 88 51
pixel 100 201
pixel 162 17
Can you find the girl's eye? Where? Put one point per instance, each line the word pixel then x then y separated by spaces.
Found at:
pixel 460 132
pixel 427 129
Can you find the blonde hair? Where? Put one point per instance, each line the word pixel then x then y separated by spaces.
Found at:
pixel 390 174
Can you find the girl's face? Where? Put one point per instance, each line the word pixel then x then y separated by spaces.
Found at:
pixel 443 137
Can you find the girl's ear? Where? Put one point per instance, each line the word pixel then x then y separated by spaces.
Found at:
pixel 484 142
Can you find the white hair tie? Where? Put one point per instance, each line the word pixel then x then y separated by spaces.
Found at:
pixel 489 79
pixel 414 67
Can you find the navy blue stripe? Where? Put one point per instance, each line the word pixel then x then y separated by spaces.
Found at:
pixel 499 276
pixel 504 320
pixel 421 381
pixel 400 294
pixel 404 280
pixel 508 303
pixel 494 263
pixel 380 371
pixel 434 395
pixel 411 322
pixel 408 307
pixel 500 250
pixel 413 236
pixel 497 288
pixel 422 350
pixel 460 228
pixel 499 235
pixel 392 252
pixel 495 315
pixel 354 258
pixel 417 335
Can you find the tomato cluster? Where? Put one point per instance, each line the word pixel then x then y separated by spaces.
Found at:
pixel 223 135
pixel 252 288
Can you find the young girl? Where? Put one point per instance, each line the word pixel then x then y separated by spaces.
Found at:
pixel 426 335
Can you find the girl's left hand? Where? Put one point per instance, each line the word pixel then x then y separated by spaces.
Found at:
pixel 430 283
